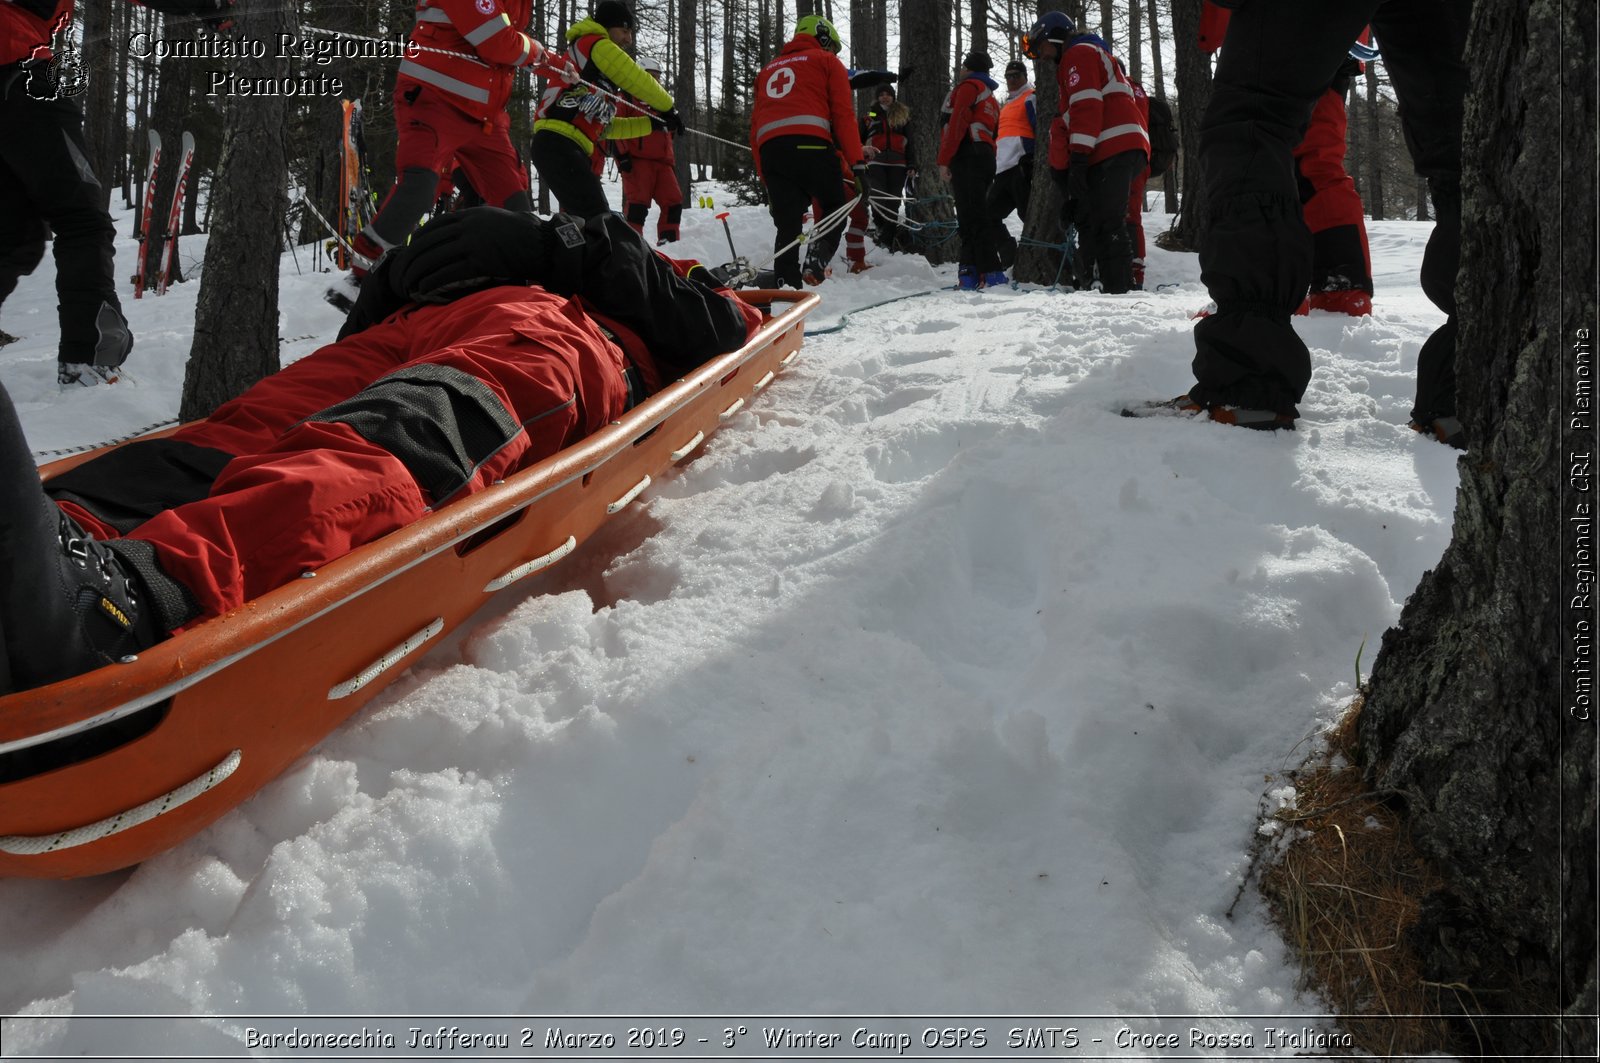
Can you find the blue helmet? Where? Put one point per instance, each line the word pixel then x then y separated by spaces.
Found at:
pixel 1053 26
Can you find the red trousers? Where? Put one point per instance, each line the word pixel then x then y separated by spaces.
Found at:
pixel 650 180
pixel 301 493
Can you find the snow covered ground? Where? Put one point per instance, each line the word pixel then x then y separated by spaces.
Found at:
pixel 932 687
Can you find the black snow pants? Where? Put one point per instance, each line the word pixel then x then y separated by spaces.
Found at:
pixel 1103 240
pixel 569 174
pixel 797 171
pixel 971 174
pixel 45 180
pixel 1256 255
pixel 1008 193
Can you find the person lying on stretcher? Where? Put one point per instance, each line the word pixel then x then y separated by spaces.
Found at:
pixel 492 341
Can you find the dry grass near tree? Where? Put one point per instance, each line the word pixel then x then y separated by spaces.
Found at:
pixel 1346 888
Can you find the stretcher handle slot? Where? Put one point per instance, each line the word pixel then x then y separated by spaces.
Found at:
pixel 688 448
pixel 386 662
pixel 634 492
pixel 731 410
pixel 38 844
pixel 528 568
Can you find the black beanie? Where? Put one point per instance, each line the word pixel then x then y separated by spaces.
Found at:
pixel 978 62
pixel 883 89
pixel 1016 66
pixel 613 14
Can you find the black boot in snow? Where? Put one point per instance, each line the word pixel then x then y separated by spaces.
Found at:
pixel 68 604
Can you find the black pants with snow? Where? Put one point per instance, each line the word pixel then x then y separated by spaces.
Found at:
pixel 971 174
pixel 887 183
pixel 1256 255
pixel 45 179
pixel 1103 241
pixel 569 174
pixel 1008 193
pixel 796 171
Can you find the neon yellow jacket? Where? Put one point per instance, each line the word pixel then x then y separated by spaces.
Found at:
pixel 585 115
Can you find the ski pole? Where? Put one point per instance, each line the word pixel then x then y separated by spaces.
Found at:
pixel 723 218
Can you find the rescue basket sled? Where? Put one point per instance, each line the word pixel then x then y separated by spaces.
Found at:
pixel 106 769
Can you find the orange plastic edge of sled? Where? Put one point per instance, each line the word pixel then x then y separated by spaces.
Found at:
pixel 228 705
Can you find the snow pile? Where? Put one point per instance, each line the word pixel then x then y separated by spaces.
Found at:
pixel 933 685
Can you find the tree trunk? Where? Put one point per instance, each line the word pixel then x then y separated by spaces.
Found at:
pixel 683 90
pixel 1375 153
pixel 101 130
pixel 236 321
pixel 1474 710
pixel 1135 43
pixel 1194 94
pixel 925 34
pixel 1040 258
pixel 1169 180
pixel 979 33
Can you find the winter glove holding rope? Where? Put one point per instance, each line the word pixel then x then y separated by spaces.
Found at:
pixel 669 120
pixel 555 66
pixel 859 172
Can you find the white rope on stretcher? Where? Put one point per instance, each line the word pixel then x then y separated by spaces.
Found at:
pixel 38 844
pixel 386 662
pixel 528 568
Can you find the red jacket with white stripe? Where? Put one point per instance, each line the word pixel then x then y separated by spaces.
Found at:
pixel 1097 100
pixel 805 91
pixel 973 116
pixel 491 30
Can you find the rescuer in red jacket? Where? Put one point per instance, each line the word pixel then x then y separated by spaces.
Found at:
pixel 542 345
pixel 649 169
pixel 450 103
pixel 966 162
pixel 46 186
pixel 802 127
pixel 1108 144
pixel 1341 260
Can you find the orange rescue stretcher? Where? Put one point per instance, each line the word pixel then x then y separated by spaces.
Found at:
pixel 106 769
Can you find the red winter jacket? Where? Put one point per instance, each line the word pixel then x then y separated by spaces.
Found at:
pixel 488 29
pixel 894 143
pixel 655 147
pixel 805 91
pixel 973 116
pixel 1098 102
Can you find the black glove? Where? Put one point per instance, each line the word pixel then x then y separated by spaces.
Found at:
pixel 859 171
pixel 624 163
pixel 1078 175
pixel 468 251
pixel 670 120
pixel 376 300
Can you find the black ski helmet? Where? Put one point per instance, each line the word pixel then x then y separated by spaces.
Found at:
pixel 1054 26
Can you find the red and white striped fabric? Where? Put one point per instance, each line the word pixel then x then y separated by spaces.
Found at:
pixel 1098 102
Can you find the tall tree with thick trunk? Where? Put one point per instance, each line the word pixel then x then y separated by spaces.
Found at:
pixel 925 41
pixel 236 321
pixel 1040 258
pixel 1471 715
pixel 1194 94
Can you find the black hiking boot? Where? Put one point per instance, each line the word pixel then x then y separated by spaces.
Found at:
pixel 68 604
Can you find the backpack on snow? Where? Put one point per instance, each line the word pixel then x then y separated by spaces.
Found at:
pixel 1163 137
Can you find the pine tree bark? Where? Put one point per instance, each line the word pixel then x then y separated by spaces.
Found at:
pixel 1169 180
pixel 925 34
pixel 1194 94
pixel 1375 157
pixel 236 321
pixel 100 127
pixel 1469 713
pixel 1040 257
